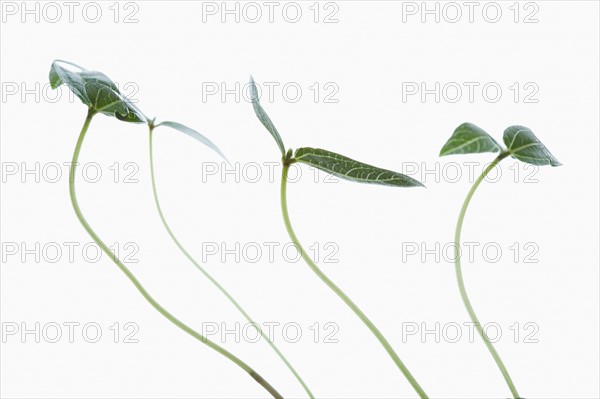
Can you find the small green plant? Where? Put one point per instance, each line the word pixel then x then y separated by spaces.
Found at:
pixel 101 96
pixel 522 145
pixel 193 133
pixel 348 169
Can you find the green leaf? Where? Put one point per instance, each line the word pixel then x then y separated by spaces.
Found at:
pixel 195 135
pixel 263 117
pixel 95 90
pixel 469 139
pixel 349 169
pixel 524 146
pixel 134 114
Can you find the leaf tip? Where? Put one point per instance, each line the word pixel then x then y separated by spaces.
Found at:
pixel 53 76
pixel 413 182
pixel 195 135
pixel 253 91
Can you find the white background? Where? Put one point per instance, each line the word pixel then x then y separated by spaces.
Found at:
pixel 369 54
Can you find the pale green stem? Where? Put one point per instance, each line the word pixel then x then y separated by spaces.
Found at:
pixel 461 284
pixel 136 282
pixel 210 278
pixel 386 345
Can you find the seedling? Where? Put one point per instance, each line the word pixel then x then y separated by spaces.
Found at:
pixel 101 96
pixel 193 133
pixel 348 169
pixel 522 145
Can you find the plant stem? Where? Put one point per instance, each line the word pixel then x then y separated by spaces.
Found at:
pixel 461 284
pixel 210 278
pixel 337 290
pixel 136 282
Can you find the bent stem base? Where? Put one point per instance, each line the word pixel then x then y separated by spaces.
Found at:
pixel 382 340
pixel 461 284
pixel 136 282
pixel 210 277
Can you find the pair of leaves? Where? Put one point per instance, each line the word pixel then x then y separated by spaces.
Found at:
pixel 100 94
pixel 330 162
pixel 520 141
pixel 95 90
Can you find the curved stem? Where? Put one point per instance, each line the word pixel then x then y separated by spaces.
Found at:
pixel 386 345
pixel 461 284
pixel 136 282
pixel 211 279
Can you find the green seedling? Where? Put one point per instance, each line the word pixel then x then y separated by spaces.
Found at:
pixel 522 145
pixel 193 133
pixel 101 96
pixel 348 169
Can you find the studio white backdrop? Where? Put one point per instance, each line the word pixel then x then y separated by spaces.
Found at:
pixel 384 82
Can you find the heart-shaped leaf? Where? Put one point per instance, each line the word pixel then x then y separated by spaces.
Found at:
pixel 195 135
pixel 349 169
pixel 469 139
pixel 95 90
pixel 263 117
pixel 524 146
